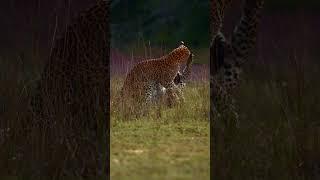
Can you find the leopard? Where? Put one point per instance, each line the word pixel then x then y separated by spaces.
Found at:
pixel 157 94
pixel 162 70
pixel 227 57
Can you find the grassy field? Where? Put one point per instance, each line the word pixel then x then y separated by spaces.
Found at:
pixel 279 133
pixel 175 146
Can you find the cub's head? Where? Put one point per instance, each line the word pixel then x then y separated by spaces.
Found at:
pixel 180 54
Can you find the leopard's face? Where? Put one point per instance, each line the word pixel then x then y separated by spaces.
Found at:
pixel 181 54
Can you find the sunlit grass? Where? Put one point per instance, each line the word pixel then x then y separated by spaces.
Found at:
pixel 175 146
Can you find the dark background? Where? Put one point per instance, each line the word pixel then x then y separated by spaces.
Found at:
pixel 28 26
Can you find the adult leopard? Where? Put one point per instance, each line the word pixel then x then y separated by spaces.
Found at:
pixel 227 58
pixel 157 94
pixel 226 63
pixel 161 71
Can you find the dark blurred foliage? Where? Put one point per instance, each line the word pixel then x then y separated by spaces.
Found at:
pixel 292 5
pixel 170 21
pixel 28 26
pixel 161 21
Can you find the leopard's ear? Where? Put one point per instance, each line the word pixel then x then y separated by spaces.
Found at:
pixel 181 43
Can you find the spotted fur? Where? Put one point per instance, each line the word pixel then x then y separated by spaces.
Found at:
pixel 227 58
pixel 157 94
pixel 161 71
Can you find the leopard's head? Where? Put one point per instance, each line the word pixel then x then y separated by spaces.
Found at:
pixel 180 54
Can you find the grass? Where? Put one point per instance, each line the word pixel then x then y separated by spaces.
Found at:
pixel 175 146
pixel 279 134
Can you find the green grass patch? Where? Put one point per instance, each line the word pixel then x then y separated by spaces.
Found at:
pixel 175 146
